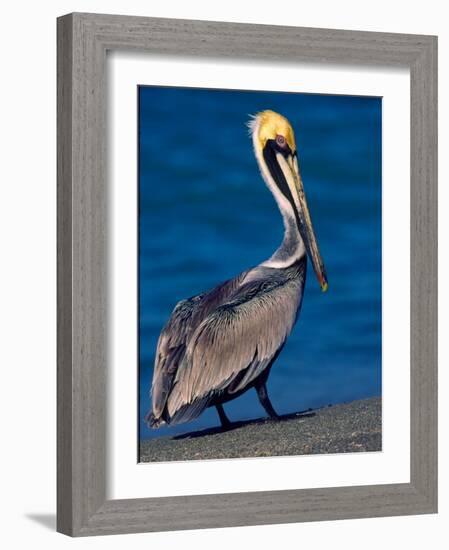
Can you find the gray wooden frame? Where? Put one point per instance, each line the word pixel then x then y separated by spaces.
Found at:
pixel 83 40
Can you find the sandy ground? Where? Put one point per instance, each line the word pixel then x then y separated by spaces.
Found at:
pixel 346 428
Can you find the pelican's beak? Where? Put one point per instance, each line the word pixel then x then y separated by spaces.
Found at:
pixel 288 179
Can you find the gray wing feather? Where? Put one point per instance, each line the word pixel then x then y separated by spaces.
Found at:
pixel 170 351
pixel 242 335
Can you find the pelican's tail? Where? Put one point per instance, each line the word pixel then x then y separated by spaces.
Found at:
pixel 152 421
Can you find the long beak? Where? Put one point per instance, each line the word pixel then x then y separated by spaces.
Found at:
pixel 290 169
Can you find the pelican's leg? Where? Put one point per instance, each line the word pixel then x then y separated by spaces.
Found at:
pixel 265 401
pixel 225 422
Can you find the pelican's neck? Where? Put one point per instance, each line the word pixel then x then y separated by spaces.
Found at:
pixel 292 247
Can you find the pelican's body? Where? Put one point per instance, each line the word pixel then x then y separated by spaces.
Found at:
pixel 219 344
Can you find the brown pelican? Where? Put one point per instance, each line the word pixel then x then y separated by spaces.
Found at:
pixel 219 344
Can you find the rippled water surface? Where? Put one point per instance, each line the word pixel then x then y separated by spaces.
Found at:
pixel 206 215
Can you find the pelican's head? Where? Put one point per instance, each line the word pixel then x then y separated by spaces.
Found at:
pixel 275 149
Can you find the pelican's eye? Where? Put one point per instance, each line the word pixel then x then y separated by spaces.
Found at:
pixel 281 141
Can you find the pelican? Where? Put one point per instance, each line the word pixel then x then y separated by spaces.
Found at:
pixel 219 344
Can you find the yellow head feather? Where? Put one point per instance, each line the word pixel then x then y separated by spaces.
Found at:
pixel 270 124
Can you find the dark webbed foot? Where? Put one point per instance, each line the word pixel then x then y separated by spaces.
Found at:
pixel 225 422
pixel 265 401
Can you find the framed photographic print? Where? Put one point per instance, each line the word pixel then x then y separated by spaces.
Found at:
pixel 198 241
pixel 246 274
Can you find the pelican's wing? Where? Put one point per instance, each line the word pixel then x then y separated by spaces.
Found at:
pixel 173 340
pixel 234 344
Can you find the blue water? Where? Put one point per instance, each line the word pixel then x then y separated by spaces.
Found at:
pixel 206 215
